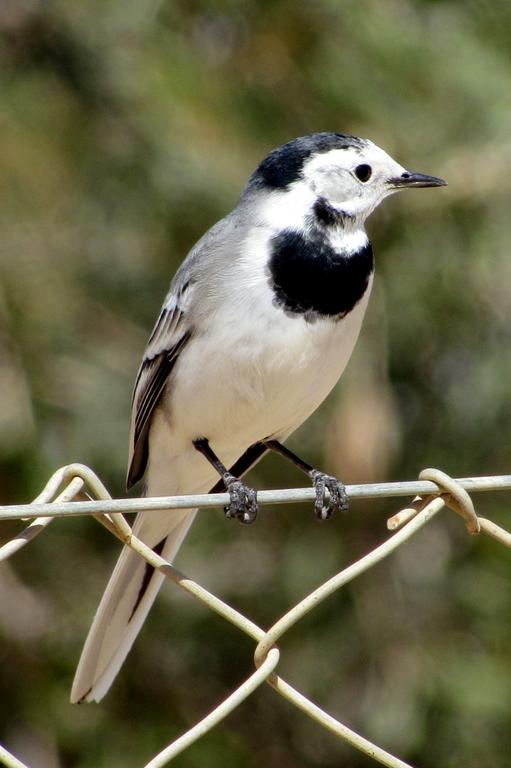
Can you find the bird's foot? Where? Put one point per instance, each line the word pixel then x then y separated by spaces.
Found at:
pixel 243 503
pixel 338 498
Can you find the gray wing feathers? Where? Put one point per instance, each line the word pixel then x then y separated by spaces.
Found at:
pixel 169 336
pixel 190 299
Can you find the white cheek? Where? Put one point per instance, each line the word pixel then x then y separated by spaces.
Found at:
pixel 286 210
pixel 337 186
pixel 367 199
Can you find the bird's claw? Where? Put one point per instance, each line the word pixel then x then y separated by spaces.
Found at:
pixel 338 498
pixel 243 503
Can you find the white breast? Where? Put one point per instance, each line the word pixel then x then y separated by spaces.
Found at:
pixel 249 372
pixel 255 371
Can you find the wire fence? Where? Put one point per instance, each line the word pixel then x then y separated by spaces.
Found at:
pixel 432 492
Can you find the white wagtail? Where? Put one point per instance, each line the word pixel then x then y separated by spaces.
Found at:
pixel 258 325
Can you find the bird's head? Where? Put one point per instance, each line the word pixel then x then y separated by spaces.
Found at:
pixel 349 175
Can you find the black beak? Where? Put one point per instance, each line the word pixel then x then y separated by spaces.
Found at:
pixel 412 179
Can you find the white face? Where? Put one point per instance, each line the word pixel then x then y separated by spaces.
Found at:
pixel 353 180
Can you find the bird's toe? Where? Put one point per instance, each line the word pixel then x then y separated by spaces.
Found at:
pixel 243 502
pixel 331 495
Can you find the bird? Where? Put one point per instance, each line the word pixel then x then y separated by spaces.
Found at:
pixel 257 327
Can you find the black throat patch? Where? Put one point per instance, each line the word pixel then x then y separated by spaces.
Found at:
pixel 329 216
pixel 309 278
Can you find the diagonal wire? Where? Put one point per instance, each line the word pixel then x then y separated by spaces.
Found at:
pixel 433 491
pixel 38 525
pixel 267 639
pixel 217 715
pixel 9 760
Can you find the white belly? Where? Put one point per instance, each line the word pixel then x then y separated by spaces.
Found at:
pixel 262 379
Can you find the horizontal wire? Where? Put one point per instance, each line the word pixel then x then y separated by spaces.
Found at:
pixel 209 500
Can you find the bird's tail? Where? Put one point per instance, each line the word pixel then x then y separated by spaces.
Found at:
pixel 128 597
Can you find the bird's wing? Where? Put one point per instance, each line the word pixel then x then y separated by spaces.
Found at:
pixel 189 296
pixel 170 335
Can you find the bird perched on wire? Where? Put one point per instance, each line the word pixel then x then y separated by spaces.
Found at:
pixel 258 325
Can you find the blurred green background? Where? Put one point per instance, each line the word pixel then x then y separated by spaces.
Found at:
pixel 127 129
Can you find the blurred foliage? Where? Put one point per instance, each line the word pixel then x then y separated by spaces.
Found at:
pixel 127 129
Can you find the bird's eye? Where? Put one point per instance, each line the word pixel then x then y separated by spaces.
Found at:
pixel 363 172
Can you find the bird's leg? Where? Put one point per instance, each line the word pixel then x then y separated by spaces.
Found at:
pixel 323 508
pixel 243 504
